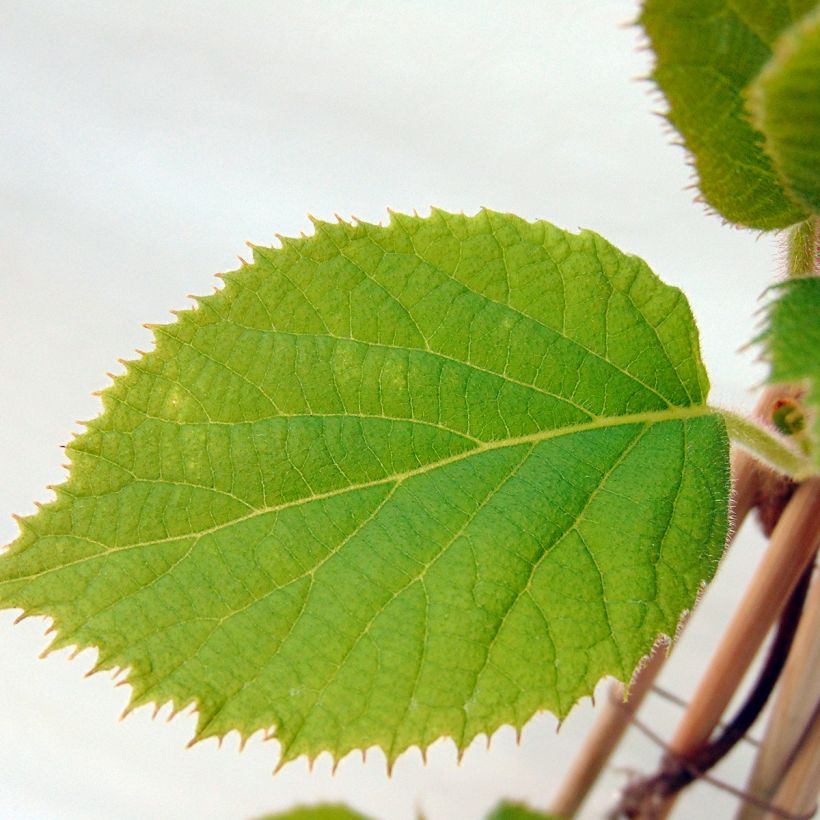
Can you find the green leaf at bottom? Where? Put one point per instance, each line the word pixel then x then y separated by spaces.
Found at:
pixel 517 811
pixel 389 484
pixel 322 811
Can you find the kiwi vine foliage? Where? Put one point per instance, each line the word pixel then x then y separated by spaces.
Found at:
pixel 389 484
pixel 708 53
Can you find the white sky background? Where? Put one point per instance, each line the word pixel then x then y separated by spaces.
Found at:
pixel 141 144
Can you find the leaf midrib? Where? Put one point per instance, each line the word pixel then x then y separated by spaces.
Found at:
pixel 671 414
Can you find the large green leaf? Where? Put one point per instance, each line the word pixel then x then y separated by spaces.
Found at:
pixel 792 341
pixel 785 104
pixel 707 52
pixel 389 484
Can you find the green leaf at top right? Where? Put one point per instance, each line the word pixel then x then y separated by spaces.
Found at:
pixel 707 52
pixel 785 105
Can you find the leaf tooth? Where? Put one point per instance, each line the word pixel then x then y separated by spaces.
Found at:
pixel 99 666
pixel 75 651
pixel 58 642
pixel 23 522
pixel 286 241
pixel 321 225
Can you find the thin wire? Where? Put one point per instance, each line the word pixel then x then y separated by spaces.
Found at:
pixel 678 701
pixel 713 781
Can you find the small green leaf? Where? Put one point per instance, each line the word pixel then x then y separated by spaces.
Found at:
pixel 785 105
pixel 389 484
pixel 517 811
pixel 792 342
pixel 707 52
pixel 323 811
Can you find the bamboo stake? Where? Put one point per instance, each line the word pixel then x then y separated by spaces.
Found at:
pixel 794 707
pixel 613 720
pixel 617 710
pixel 798 791
pixel 794 541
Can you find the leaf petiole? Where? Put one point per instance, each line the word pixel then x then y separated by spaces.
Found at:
pixel 765 445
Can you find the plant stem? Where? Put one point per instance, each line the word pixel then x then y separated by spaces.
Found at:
pixel 803 248
pixel 766 445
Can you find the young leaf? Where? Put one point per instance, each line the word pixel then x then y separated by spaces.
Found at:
pixel 792 341
pixel 785 105
pixel 707 52
pixel 389 484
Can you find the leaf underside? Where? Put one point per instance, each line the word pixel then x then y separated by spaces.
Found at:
pixel 391 484
pixel 792 341
pixel 706 54
pixel 785 104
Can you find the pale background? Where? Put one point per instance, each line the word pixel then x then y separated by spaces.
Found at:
pixel 142 143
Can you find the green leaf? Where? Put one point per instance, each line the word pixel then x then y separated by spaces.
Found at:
pixel 517 811
pixel 785 105
pixel 707 52
pixel 389 484
pixel 792 342
pixel 323 811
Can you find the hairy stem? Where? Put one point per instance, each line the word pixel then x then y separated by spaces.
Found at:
pixel 803 242
pixel 766 445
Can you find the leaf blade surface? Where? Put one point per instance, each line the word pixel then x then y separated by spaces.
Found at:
pixel 391 484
